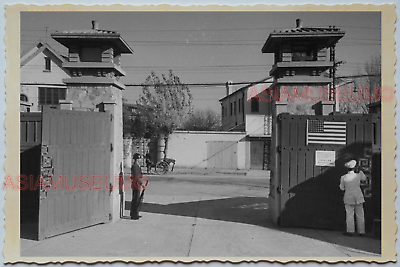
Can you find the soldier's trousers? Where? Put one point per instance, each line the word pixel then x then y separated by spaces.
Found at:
pixel 359 212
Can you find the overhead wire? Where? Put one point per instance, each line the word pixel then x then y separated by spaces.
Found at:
pixel 232 42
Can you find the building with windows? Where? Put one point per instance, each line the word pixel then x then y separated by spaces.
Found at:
pixel 246 103
pixel 41 76
pixel 247 109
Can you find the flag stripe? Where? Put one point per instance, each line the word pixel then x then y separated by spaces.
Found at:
pixel 335 137
pixel 335 122
pixel 327 142
pixel 334 127
pixel 326 132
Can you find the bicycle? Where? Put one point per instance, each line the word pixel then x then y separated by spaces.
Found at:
pixel 162 166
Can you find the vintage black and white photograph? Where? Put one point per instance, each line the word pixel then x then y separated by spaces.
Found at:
pixel 201 135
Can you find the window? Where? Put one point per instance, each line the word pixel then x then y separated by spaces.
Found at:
pixel 234 108
pixel 254 104
pixel 303 54
pixel 239 106
pixel 51 96
pixel 231 109
pixel 47 64
pixel 222 112
pixel 91 54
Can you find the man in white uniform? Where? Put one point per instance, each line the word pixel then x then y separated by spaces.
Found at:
pixel 353 199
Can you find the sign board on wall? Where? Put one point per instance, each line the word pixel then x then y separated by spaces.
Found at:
pixel 325 158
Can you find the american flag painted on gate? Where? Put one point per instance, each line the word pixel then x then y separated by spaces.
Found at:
pixel 326 132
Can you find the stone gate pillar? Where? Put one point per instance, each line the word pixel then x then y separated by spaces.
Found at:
pixel 116 159
pixel 94 62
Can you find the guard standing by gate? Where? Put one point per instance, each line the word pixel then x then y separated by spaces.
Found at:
pixel 138 185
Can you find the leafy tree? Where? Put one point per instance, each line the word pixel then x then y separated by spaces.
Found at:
pixel 162 107
pixel 203 120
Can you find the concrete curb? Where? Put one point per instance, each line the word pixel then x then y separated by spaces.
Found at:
pixel 214 172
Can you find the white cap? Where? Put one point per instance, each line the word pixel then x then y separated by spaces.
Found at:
pixel 351 164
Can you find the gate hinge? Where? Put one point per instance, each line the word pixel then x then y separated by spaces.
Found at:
pixel 278 148
pixel 111 188
pixel 279 189
pixel 110 217
pixel 111 147
pixel 111 117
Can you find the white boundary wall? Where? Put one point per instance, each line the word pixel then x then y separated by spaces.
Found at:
pixel 189 148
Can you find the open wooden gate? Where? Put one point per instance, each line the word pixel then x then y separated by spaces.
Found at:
pixel 30 140
pixel 222 154
pixel 74 183
pixel 257 155
pixel 304 188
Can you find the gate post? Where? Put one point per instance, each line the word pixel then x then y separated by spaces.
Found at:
pixel 116 157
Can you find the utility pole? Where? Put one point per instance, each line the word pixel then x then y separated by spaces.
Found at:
pixel 332 72
pixel 46 35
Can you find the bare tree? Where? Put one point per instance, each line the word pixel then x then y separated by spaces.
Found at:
pixel 363 90
pixel 374 71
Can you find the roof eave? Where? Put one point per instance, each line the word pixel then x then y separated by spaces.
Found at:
pixel 269 45
pixel 116 39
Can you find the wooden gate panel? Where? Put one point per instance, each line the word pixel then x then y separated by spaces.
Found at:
pixel 30 130
pixel 293 138
pixel 79 146
pixel 292 171
pixel 309 164
pixel 301 171
pixel 368 131
pixel 301 132
pixel 284 177
pixel 376 133
pixel 30 140
pixel 360 133
pixel 310 194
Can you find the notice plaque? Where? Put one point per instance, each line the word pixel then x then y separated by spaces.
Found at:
pixel 324 158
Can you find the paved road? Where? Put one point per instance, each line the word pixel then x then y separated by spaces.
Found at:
pixel 202 216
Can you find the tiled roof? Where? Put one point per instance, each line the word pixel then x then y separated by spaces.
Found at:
pixel 38 48
pixel 89 31
pixel 308 30
pixel 327 35
pixel 268 80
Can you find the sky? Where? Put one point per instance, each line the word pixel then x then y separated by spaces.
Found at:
pixel 206 47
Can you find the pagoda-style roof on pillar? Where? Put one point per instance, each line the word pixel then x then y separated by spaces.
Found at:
pixel 326 36
pixel 94 61
pixel 95 36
